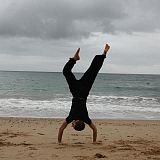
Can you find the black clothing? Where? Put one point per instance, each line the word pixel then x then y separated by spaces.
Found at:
pixel 80 88
pixel 78 111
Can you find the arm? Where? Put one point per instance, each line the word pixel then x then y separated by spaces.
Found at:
pixel 61 129
pixel 93 127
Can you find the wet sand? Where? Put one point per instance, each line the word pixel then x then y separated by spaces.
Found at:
pixel 36 139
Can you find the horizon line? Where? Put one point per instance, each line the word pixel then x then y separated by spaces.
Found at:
pixel 78 72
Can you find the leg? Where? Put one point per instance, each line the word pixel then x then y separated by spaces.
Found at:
pixel 68 67
pixel 90 75
pixel 70 78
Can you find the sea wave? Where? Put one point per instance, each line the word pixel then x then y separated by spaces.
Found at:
pixel 98 107
pixel 128 101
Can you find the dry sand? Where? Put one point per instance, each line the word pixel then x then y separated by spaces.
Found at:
pixel 36 139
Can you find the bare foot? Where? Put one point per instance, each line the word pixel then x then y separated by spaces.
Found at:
pixel 77 56
pixel 107 47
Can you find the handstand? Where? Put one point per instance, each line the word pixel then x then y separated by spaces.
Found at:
pixel 80 90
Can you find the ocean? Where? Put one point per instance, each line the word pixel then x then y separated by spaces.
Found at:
pixel 46 95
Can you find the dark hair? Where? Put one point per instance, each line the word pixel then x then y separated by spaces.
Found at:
pixel 79 126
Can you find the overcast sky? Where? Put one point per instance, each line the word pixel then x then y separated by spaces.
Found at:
pixel 40 35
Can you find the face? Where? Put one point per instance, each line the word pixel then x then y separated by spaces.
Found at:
pixel 74 123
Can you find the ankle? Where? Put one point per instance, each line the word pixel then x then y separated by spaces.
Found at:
pixel 76 57
pixel 103 54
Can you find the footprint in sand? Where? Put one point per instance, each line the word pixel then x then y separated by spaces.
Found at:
pixel 41 134
pixel 83 157
pixel 79 143
pixel 33 148
pixel 54 156
pixel 98 155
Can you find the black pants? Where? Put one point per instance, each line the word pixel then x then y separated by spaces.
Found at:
pixel 80 88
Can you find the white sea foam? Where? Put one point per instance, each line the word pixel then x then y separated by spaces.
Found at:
pixel 98 107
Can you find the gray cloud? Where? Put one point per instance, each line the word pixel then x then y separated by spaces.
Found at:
pixel 59 19
pixel 42 34
pixel 76 19
pixel 142 16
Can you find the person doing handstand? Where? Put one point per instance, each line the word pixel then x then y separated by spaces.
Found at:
pixel 80 90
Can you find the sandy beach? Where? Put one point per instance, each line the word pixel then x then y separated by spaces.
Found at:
pixel 36 139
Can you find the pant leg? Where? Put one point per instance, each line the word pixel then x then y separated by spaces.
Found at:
pixel 67 72
pixel 90 75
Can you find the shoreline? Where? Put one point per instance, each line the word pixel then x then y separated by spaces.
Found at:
pixel 119 139
pixel 94 119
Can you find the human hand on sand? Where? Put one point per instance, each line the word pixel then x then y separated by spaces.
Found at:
pixel 97 142
pixel 63 144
